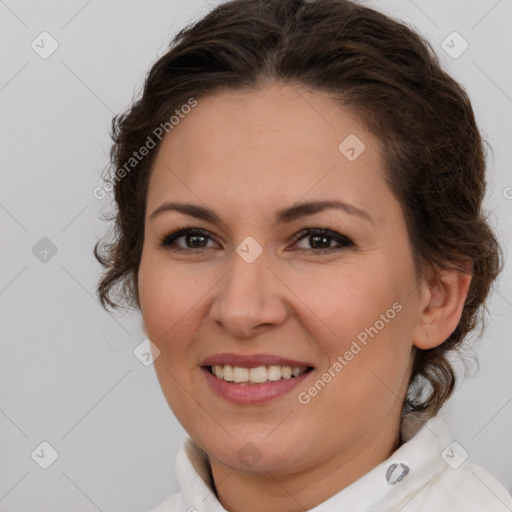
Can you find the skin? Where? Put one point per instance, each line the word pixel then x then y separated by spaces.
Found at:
pixel 246 155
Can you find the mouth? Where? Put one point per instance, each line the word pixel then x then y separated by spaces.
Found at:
pixel 251 376
pixel 252 379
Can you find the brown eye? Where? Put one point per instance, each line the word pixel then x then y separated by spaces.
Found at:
pixel 189 238
pixel 322 240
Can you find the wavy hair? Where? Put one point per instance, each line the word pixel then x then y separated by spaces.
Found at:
pixel 390 76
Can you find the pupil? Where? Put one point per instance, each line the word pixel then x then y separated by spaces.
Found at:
pixel 192 239
pixel 324 240
pixel 318 242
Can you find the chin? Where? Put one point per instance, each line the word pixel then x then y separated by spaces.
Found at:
pixel 254 453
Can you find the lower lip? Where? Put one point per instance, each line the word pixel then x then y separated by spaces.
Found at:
pixel 252 393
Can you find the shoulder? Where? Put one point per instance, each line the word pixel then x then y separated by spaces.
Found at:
pixel 439 475
pixel 469 488
pixel 173 503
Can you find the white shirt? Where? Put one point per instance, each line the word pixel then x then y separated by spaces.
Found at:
pixel 427 473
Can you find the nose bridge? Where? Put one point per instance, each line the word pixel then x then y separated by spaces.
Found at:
pixel 249 295
pixel 246 279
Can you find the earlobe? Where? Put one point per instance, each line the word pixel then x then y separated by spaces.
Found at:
pixel 445 295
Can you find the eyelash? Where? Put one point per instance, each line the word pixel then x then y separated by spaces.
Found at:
pixel 167 242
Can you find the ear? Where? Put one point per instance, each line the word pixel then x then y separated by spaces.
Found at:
pixel 443 296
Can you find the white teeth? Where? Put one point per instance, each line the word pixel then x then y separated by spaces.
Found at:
pixel 219 371
pixel 296 371
pixel 240 374
pixel 274 373
pixel 227 372
pixel 256 375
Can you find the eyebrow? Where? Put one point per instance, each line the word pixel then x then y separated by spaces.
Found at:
pixel 284 215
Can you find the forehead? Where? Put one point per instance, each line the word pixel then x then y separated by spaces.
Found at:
pixel 278 142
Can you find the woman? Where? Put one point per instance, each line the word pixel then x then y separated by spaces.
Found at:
pixel 299 194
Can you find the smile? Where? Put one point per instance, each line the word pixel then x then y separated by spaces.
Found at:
pixel 244 391
pixel 257 375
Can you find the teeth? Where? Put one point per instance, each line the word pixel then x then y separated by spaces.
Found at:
pixel 296 371
pixel 219 371
pixel 256 375
pixel 274 373
pixel 227 372
pixel 240 374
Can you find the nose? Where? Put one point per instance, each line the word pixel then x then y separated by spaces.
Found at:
pixel 249 298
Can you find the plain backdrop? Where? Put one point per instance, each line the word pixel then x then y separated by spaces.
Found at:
pixel 68 375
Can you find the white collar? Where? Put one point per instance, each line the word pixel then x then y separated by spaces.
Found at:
pixel 420 455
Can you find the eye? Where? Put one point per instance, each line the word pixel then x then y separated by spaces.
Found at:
pixel 190 238
pixel 320 240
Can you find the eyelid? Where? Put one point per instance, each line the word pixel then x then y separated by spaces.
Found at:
pixel 167 241
pixel 344 242
pixel 315 231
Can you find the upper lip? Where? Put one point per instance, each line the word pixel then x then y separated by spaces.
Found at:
pixel 251 360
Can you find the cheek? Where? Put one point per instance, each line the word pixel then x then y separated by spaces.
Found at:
pixel 360 314
pixel 345 302
pixel 163 299
pixel 168 306
pixel 174 302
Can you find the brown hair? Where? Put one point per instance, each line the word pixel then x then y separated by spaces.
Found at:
pixel 433 151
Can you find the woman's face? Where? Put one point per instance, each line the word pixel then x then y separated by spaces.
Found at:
pixel 254 282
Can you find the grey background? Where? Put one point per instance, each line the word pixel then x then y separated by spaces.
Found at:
pixel 67 369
